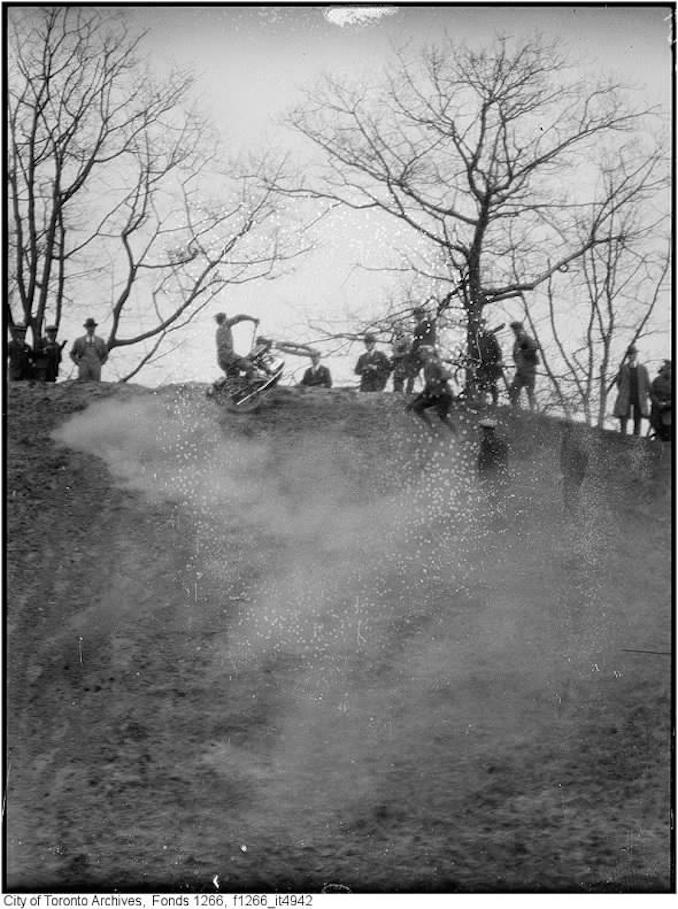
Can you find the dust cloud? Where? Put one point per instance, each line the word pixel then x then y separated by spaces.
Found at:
pixel 370 581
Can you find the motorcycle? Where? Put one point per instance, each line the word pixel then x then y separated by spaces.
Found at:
pixel 242 394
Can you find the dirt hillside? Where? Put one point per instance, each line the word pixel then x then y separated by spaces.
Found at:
pixel 300 650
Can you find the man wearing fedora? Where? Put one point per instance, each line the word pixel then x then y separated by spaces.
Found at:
pixel 89 353
pixel 633 382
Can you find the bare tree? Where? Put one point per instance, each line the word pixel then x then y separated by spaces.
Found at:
pixel 110 183
pixel 482 155
pixel 592 312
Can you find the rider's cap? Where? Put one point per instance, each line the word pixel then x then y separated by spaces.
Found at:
pixel 487 424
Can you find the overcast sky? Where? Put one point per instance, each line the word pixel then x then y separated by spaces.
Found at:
pixel 251 63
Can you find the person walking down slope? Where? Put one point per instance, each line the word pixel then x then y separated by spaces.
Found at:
pixel 89 353
pixel 633 383
pixel 317 375
pixel 526 359
pixel 20 355
pixel 227 358
pixel 436 392
pixel 48 356
pixel 661 395
pixel 373 367
pixel 493 455
pixel 573 464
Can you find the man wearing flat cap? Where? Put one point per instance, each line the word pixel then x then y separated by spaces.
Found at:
pixel 20 355
pixel 89 353
pixel 373 366
pixel 633 383
pixel 48 356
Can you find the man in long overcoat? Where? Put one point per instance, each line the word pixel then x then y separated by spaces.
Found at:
pixel 48 356
pixel 633 383
pixel 661 393
pixel 89 353
pixel 20 355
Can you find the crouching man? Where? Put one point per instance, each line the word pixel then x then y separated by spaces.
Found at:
pixel 436 392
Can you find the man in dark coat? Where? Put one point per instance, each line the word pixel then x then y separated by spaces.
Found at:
pixel 490 368
pixel 526 359
pixel 633 382
pixel 317 375
pixel 493 454
pixel 48 356
pixel 493 472
pixel 573 463
pixel 436 392
pixel 373 367
pixel 20 355
pixel 661 395
pixel 401 359
pixel 423 335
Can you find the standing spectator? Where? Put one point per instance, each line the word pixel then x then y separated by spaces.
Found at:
pixel 436 392
pixel 490 359
pixel 48 356
pixel 400 358
pixel 633 383
pixel 373 367
pixel 227 358
pixel 526 359
pixel 89 353
pixel 316 374
pixel 423 335
pixel 573 463
pixel 20 355
pixel 661 395
pixel 493 455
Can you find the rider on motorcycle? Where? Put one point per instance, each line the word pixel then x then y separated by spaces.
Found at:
pixel 227 358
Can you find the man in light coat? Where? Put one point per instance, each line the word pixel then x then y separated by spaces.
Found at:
pixel 89 353
pixel 633 383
